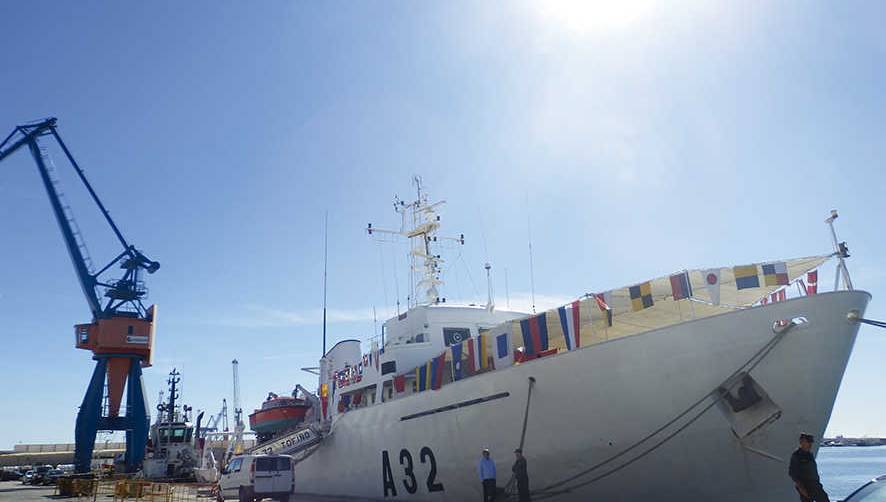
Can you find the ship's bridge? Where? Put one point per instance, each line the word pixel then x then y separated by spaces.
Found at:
pixel 423 332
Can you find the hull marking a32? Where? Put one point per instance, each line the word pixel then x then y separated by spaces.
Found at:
pixel 408 480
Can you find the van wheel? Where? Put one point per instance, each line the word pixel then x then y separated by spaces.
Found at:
pixel 244 495
pixel 284 498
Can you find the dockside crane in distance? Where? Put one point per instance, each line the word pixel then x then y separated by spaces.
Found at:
pixel 220 420
pixel 121 333
pixel 235 447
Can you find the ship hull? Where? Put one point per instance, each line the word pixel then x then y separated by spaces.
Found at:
pixel 592 404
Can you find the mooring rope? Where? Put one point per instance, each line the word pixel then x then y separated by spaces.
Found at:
pixel 879 324
pixel 549 491
pixel 526 412
pixel 511 484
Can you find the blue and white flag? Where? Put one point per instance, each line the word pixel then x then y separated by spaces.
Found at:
pixel 456 361
pixel 504 354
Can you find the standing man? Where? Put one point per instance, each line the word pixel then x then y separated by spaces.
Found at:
pixel 486 471
pixel 804 472
pixel 521 476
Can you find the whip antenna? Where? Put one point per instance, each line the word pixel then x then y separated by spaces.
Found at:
pixel 325 259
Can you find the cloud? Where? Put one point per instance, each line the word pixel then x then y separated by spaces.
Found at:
pixel 522 302
pixel 586 17
pixel 258 316
pixel 288 355
pixel 163 365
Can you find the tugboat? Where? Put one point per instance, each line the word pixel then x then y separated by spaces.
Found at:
pixel 172 451
pixel 279 414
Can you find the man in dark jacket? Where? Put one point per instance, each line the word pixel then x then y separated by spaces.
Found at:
pixel 804 472
pixel 521 476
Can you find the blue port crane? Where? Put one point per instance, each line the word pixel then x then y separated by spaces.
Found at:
pixel 121 333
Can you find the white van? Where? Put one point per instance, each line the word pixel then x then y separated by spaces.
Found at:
pixel 254 477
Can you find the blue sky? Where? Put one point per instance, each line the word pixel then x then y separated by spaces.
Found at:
pixel 637 139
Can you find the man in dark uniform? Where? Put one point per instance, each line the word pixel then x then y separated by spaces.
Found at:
pixel 521 476
pixel 804 472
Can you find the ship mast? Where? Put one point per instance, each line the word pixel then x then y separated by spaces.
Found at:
pixel 173 381
pixel 419 224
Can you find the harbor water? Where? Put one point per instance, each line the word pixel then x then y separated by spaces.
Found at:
pixel 843 469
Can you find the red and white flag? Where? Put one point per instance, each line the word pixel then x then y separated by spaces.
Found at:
pixel 712 282
pixel 812 282
pixel 604 307
pixel 400 383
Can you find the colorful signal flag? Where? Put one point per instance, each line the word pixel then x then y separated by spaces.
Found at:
pixel 641 296
pixel 603 305
pixel 482 361
pixel 472 357
pixel 746 276
pixel 812 282
pixel 437 366
pixel 535 334
pixel 400 383
pixel 503 355
pixel 456 361
pixel 570 320
pixel 422 376
pixel 712 282
pixel 680 286
pixel 775 274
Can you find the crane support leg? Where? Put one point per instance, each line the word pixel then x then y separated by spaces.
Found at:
pixel 88 417
pixel 139 420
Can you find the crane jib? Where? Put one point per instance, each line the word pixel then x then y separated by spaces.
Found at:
pixel 124 295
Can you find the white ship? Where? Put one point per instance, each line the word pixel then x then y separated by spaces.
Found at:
pixel 693 386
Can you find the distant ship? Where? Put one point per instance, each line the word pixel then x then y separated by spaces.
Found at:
pixel 173 452
pixel 691 386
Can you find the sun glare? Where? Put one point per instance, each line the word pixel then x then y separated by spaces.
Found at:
pixel 587 16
